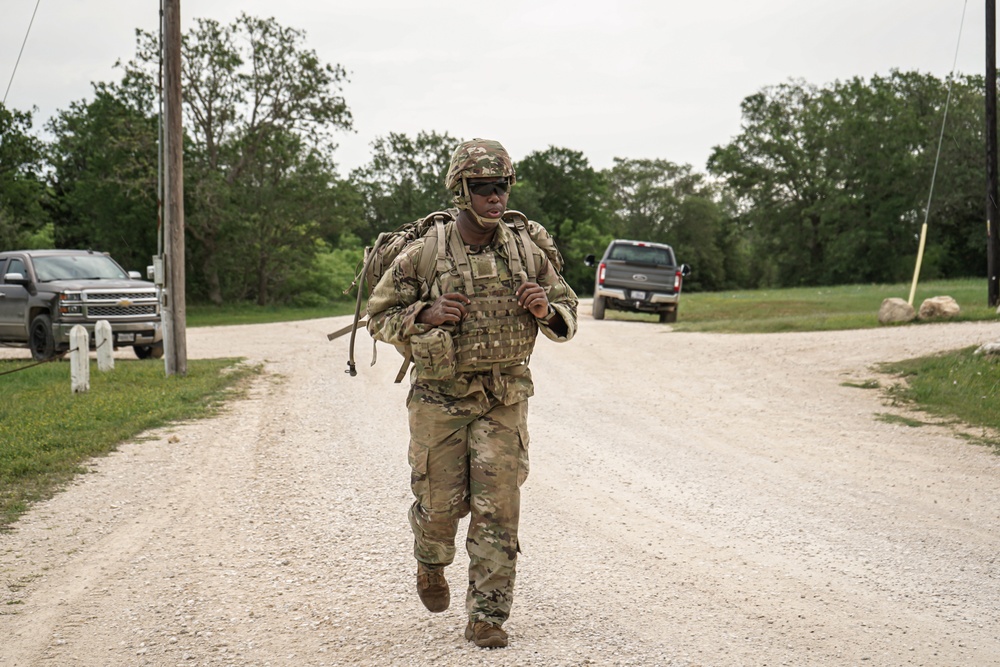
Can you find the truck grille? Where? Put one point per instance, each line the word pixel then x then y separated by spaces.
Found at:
pixel 120 304
pixel 120 311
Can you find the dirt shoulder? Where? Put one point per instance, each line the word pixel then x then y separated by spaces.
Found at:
pixel 694 499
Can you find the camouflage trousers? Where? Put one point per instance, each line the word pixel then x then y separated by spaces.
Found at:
pixel 469 455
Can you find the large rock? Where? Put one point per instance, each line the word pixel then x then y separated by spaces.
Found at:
pixel 938 307
pixel 895 310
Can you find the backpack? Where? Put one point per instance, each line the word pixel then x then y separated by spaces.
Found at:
pixel 380 255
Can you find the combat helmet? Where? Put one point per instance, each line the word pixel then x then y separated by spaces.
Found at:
pixel 478 158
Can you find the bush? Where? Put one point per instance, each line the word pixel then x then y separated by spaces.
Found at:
pixel 328 278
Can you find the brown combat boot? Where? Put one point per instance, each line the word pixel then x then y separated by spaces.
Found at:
pixel 485 634
pixel 432 587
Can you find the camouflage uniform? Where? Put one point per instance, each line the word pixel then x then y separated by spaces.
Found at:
pixel 468 424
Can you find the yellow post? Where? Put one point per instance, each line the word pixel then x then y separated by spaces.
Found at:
pixel 920 259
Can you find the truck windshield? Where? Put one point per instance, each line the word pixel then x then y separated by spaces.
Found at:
pixel 643 255
pixel 77 267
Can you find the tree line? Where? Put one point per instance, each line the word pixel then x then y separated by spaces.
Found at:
pixel 822 185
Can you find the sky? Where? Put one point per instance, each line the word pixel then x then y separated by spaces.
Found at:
pixel 658 79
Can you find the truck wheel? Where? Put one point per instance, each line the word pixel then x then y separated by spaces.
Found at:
pixel 598 308
pixel 668 316
pixel 40 339
pixel 149 351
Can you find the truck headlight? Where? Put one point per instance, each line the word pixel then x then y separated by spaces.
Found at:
pixel 71 303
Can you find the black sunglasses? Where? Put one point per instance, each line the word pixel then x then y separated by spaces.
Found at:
pixel 487 188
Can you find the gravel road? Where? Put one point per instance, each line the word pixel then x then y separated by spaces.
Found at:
pixel 694 499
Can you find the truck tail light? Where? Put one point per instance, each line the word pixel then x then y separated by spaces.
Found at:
pixel 677 282
pixel 600 273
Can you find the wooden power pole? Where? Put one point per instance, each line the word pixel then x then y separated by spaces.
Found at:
pixel 174 308
pixel 993 233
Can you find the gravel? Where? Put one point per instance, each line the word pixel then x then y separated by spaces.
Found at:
pixel 694 499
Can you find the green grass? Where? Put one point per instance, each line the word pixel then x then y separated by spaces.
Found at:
pixel 957 385
pixel 816 308
pixel 745 311
pixel 47 432
pixel 207 315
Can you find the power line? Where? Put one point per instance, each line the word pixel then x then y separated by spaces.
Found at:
pixel 28 32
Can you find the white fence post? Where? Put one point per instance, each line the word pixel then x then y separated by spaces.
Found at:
pixel 105 346
pixel 79 346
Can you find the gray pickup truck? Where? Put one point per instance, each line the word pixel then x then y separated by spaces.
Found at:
pixel 638 276
pixel 45 293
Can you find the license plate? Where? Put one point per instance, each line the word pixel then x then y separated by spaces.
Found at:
pixel 638 296
pixel 126 338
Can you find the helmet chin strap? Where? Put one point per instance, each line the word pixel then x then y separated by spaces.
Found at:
pixel 464 202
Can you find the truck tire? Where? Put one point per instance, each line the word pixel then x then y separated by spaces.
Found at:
pixel 668 316
pixel 148 351
pixel 598 308
pixel 40 338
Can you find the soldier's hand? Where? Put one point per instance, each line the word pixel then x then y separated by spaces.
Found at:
pixel 448 308
pixel 532 297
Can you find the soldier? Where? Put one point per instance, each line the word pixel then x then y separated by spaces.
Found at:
pixel 471 331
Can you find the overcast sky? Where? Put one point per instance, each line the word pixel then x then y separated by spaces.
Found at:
pixel 621 78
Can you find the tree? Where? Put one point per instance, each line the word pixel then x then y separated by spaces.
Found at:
pixel 883 137
pixel 657 200
pixel 286 198
pixel 258 106
pixel 956 219
pixel 775 166
pixel 404 179
pixel 558 188
pixel 23 220
pixel 104 172
pixel 832 183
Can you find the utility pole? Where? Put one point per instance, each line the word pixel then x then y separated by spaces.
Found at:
pixel 993 233
pixel 174 308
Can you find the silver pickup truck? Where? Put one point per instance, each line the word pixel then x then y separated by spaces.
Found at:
pixel 45 293
pixel 638 276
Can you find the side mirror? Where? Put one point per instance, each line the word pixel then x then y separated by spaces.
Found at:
pixel 685 270
pixel 589 260
pixel 15 279
pixel 135 275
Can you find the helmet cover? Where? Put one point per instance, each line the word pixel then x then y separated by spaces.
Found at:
pixel 478 158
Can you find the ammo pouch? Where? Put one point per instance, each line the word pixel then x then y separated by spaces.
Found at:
pixel 433 355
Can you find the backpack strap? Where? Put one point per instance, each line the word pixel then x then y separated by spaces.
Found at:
pixel 514 257
pixel 431 263
pixel 432 255
pixel 519 224
pixel 407 358
pixel 529 256
pixel 461 258
pixel 358 321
